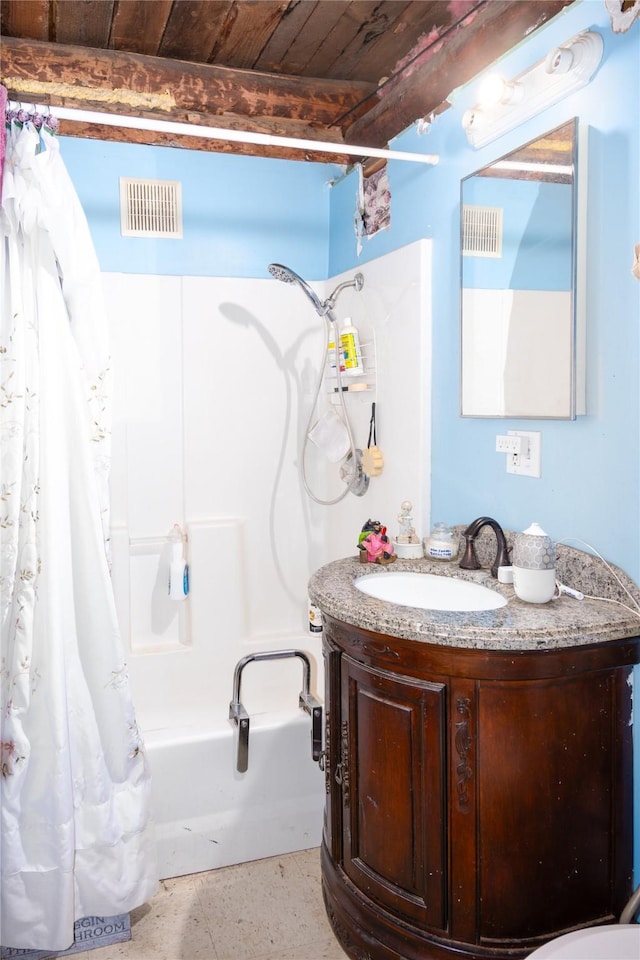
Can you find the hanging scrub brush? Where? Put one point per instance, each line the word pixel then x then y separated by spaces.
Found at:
pixel 372 457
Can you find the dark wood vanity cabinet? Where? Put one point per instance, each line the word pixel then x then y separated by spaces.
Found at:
pixel 393 801
pixel 479 802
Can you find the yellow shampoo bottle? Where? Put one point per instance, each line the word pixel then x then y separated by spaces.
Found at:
pixel 350 343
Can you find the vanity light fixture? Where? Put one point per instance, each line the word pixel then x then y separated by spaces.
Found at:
pixel 503 105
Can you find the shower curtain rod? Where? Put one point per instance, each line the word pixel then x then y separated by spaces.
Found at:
pixel 237 136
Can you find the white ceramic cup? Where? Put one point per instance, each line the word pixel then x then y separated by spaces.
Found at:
pixel 534 586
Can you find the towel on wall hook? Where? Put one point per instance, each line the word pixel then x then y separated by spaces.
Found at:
pixel 635 269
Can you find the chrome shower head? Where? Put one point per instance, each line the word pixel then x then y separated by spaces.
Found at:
pixel 283 273
pixel 280 272
pixel 324 308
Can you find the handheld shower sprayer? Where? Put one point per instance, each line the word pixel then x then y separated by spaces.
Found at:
pixel 351 471
pixel 283 273
pixel 322 307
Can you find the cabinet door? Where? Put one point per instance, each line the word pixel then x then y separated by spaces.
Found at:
pixel 393 783
pixel 551 804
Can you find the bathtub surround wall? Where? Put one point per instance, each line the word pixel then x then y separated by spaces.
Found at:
pixel 215 378
pixel 193 443
pixel 395 311
pixel 196 443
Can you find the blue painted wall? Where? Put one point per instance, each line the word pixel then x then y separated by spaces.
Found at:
pixel 240 213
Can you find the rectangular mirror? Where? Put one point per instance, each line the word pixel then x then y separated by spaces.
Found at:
pixel 520 350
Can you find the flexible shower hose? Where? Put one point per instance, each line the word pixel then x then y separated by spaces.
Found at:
pixel 329 318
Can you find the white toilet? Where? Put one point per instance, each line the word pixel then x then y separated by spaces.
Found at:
pixel 616 941
pixel 619 941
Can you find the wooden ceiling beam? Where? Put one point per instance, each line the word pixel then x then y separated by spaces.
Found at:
pixel 450 61
pixel 113 80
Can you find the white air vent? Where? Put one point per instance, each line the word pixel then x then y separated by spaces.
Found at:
pixel 150 208
pixel 481 231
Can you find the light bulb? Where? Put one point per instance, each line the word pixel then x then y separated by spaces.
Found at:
pixel 494 89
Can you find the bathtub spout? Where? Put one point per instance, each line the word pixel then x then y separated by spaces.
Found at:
pixel 306 701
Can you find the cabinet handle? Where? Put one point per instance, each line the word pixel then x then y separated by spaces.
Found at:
pixel 344 763
pixel 463 744
pixel 327 756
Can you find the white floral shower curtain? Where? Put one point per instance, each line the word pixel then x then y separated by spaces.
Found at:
pixel 75 837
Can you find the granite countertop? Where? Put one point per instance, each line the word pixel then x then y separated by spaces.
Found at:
pixel 563 622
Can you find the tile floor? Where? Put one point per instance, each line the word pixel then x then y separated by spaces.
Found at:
pixel 265 910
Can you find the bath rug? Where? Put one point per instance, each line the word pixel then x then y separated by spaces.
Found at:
pixel 89 932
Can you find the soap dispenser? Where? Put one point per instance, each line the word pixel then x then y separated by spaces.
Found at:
pixel 534 565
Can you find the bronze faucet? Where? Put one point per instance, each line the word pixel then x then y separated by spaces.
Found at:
pixel 470 560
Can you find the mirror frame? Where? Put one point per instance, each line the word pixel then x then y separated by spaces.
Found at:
pixel 577 154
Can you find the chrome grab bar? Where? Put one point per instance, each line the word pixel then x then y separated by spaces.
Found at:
pixel 306 701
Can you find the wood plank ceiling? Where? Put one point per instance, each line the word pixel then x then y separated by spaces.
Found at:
pixel 352 72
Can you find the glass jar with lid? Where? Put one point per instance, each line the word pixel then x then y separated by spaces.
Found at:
pixel 441 544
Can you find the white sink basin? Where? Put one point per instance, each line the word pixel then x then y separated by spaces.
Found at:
pixel 429 591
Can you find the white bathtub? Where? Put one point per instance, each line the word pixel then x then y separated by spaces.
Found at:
pixel 181 665
pixel 208 815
